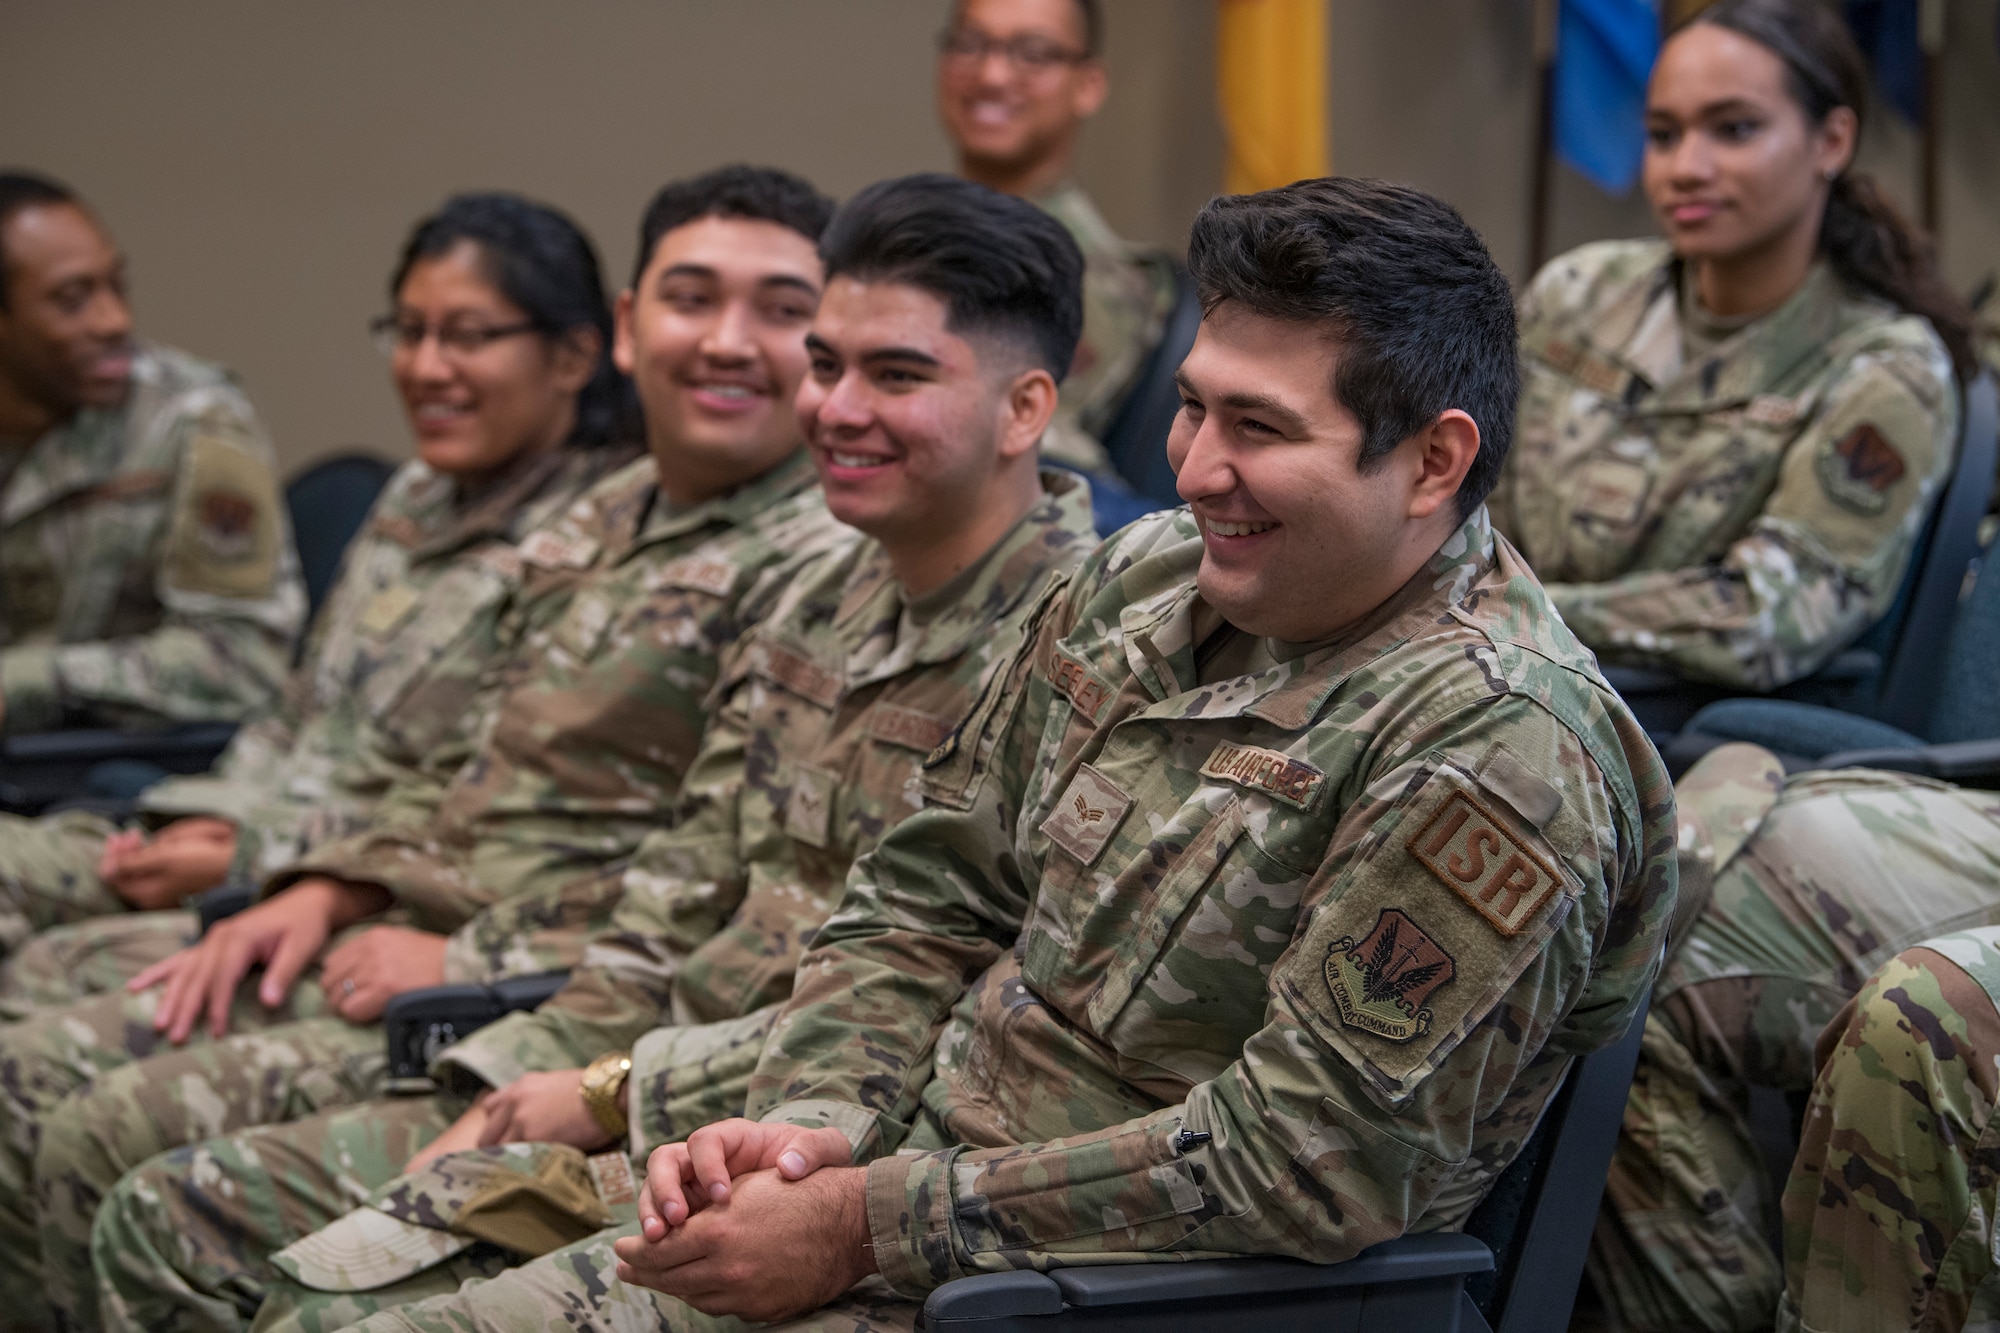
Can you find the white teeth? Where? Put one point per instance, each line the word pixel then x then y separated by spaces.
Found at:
pixel 727 390
pixel 1238 529
pixel 854 460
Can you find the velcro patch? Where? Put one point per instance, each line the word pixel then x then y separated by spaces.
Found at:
pixel 552 550
pixel 1771 409
pixel 1613 490
pixel 797 673
pixel 1380 984
pixel 1079 684
pixel 809 807
pixel 907 727
pixel 1293 781
pixel 1087 814
pixel 1586 367
pixel 700 574
pixel 1858 469
pixel 1470 850
pixel 611 1173
pixel 387 608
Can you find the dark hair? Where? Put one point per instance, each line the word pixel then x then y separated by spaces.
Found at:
pixel 1422 317
pixel 1864 237
pixel 1090 11
pixel 20 190
pixel 762 194
pixel 1002 266
pixel 544 263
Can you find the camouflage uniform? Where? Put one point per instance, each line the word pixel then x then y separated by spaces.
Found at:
pixel 146 566
pixel 586 749
pixel 1836 872
pixel 1127 295
pixel 1300 942
pixel 387 679
pixel 1890 1210
pixel 818 747
pixel 1732 505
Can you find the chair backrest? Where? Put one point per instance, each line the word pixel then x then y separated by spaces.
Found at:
pixel 1908 695
pixel 1538 1217
pixel 328 501
pixel 1136 439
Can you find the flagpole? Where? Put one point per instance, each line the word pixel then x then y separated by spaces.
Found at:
pixel 1541 175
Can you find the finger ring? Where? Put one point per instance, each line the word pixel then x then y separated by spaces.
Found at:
pixel 347 986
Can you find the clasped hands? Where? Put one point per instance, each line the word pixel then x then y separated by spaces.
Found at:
pixel 284 933
pixel 759 1221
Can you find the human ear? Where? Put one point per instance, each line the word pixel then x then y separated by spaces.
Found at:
pixel 1444 453
pixel 1837 135
pixel 1093 85
pixel 623 354
pixel 1029 407
pixel 576 358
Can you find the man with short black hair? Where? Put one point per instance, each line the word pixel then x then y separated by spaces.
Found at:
pixel 1310 849
pixel 146 566
pixel 1016 80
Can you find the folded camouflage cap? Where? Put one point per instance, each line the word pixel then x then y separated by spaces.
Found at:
pixel 1721 803
pixel 529 1198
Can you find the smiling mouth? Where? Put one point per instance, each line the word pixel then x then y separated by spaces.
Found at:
pixel 1238 529
pixel 855 460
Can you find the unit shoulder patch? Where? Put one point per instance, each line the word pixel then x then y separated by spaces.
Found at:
pixel 1858 469
pixel 1470 850
pixel 1380 984
pixel 1293 781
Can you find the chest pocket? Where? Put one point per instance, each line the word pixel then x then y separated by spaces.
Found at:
pixel 103 553
pixel 417 634
pixel 1725 468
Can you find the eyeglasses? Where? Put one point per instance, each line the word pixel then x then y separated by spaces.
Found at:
pixel 393 335
pixel 1026 52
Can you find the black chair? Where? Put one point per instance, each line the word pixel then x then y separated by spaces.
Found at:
pixel 1514 1269
pixel 105 769
pixel 423 1022
pixel 1136 439
pixel 1893 672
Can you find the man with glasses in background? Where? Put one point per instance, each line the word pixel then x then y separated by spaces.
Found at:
pixel 146 567
pixel 1016 81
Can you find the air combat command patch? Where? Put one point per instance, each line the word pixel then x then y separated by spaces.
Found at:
pixel 1380 984
pixel 1857 470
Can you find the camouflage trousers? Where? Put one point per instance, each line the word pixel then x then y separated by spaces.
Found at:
pixel 576 1290
pixel 64 964
pixel 89 1090
pixel 48 873
pixel 1847 869
pixel 1890 1208
pixel 184 1242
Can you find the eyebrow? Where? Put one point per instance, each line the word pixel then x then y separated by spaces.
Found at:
pixel 1260 403
pixel 877 355
pixel 1726 106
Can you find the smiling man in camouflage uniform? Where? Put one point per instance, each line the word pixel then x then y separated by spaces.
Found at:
pixel 146 565
pixel 949 314
pixel 628 601
pixel 1308 851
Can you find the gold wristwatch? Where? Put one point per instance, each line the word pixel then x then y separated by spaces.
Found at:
pixel 603 1091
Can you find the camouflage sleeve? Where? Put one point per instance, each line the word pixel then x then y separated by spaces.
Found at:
pixel 676 893
pixel 937 900
pixel 1415 1028
pixel 1819 564
pixel 228 579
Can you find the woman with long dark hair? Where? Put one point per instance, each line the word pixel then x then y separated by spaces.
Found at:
pixel 498 340
pixel 1731 438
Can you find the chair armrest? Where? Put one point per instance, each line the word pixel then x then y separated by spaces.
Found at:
pixel 1967 763
pixel 225 900
pixel 991 1300
pixel 182 744
pixel 420 1023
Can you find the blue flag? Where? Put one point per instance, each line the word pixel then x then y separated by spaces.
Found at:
pixel 1886 31
pixel 1604 54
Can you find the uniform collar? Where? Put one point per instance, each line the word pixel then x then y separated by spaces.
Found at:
pixel 1161 634
pixel 943 623
pixel 443 522
pixel 1638 332
pixel 650 520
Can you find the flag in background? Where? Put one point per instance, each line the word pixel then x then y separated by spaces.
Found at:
pixel 1887 33
pixel 1604 53
pixel 1270 77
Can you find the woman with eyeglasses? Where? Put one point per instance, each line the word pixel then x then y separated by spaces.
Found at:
pixel 498 340
pixel 1730 439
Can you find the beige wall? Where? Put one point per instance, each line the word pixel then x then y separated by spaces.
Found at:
pixel 261 161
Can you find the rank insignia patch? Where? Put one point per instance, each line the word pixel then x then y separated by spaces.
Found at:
pixel 1087 814
pixel 1471 851
pixel 1380 984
